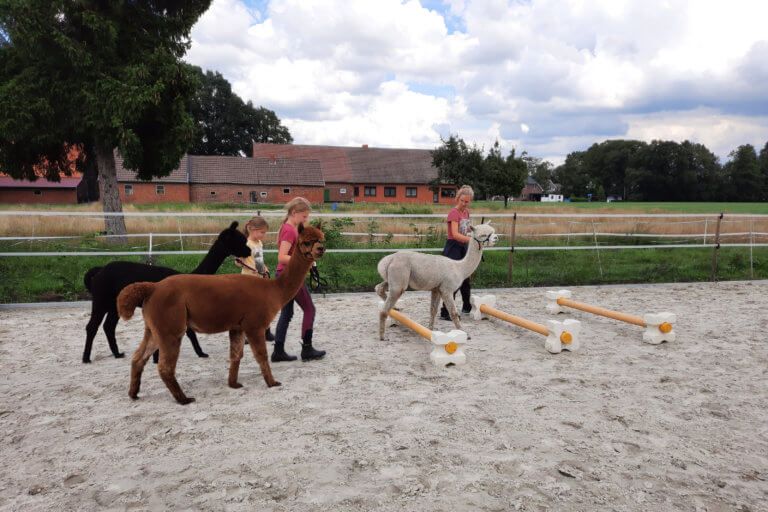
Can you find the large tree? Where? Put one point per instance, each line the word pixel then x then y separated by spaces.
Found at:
pixel 460 164
pixel 100 75
pixel 762 162
pixel 505 176
pixel 744 173
pixel 225 125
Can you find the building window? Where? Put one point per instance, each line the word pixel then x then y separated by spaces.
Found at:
pixel 448 192
pixel 263 194
pixel 286 191
pixel 213 192
pixel 239 192
pixel 128 190
pixel 370 191
pixel 357 191
pixel 160 190
pixel 390 191
pixel 342 191
pixel 410 191
pixel 38 192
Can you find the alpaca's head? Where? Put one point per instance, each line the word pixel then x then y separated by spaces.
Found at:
pixel 233 242
pixel 484 234
pixel 310 242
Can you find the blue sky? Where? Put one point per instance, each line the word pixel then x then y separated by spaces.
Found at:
pixel 545 76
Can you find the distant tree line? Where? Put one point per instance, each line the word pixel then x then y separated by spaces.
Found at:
pixel 663 171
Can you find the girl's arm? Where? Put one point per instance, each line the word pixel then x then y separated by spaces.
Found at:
pixel 282 253
pixel 237 263
pixel 455 233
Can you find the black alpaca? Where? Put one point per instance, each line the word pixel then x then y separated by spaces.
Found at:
pixel 105 284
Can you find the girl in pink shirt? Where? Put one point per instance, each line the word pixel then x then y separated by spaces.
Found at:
pixel 298 213
pixel 456 245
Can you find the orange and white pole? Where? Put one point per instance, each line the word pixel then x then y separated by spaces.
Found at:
pixel 559 335
pixel 448 347
pixel 659 327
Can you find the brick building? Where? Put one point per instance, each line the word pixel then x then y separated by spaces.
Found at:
pixel 532 191
pixel 71 190
pixel 226 179
pixel 364 174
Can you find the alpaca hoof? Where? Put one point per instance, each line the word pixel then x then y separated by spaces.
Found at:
pixel 236 385
pixel 274 384
pixel 134 396
pixel 202 354
pixel 119 355
pixel 86 360
pixel 187 400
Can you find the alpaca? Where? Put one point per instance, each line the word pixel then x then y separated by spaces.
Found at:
pixel 242 304
pixel 105 283
pixel 441 275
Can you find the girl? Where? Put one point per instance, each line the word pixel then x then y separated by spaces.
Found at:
pixel 298 213
pixel 255 229
pixel 456 245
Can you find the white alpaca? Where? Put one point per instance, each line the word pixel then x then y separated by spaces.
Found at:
pixel 440 274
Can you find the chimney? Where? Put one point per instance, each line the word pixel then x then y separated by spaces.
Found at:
pixel 272 159
pixel 365 146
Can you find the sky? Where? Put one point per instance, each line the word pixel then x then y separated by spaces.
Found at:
pixel 544 76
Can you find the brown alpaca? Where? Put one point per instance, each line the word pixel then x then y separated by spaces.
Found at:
pixel 242 304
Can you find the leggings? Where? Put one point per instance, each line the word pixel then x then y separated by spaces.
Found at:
pixel 286 314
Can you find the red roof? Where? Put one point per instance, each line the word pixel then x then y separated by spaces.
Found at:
pixel 7 182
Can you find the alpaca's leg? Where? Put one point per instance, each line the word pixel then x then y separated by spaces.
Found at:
pixel 236 343
pixel 258 344
pixel 434 305
pixel 195 345
pixel 169 355
pixel 381 289
pixel 140 357
pixel 448 301
pixel 97 315
pixel 110 324
pixel 394 295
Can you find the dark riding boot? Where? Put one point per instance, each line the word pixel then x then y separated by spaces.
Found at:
pixel 279 354
pixel 269 335
pixel 307 352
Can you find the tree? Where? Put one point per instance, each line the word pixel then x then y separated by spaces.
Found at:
pixel 762 162
pixel 744 173
pixel 505 176
pixel 99 75
pixel 459 164
pixel 225 125
pixel 538 169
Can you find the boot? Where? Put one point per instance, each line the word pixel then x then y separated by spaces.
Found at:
pixel 279 354
pixel 307 352
pixel 269 335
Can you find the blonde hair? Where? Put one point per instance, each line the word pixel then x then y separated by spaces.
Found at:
pixel 297 204
pixel 255 223
pixel 465 190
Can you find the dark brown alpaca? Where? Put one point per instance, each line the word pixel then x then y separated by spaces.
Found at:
pixel 242 304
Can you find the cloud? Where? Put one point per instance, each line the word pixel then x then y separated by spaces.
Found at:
pixel 552 76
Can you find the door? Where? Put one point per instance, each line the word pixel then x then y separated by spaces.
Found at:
pixel 326 195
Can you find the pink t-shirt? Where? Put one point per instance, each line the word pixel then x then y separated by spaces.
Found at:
pixel 288 233
pixel 462 218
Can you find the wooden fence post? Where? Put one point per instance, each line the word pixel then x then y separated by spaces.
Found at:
pixel 511 248
pixel 717 246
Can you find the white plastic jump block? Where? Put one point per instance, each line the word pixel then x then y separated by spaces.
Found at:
pixel 655 323
pixel 553 342
pixel 448 348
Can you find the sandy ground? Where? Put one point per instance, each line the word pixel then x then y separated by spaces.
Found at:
pixel 618 425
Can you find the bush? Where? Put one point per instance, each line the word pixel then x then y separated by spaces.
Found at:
pixel 407 210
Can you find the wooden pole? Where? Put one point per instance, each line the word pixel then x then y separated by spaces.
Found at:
pixel 416 327
pixel 596 310
pixel 717 246
pixel 512 248
pixel 522 322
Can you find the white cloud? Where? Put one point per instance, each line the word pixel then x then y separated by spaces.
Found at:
pixel 548 76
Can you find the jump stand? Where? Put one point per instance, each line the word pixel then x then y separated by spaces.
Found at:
pixel 448 347
pixel 559 335
pixel 659 327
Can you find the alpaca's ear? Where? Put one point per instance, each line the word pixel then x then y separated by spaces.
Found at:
pixel 488 223
pixel 319 225
pixel 233 225
pixel 471 227
pixel 300 228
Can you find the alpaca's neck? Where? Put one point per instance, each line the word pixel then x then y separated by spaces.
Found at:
pixel 211 262
pixel 290 280
pixel 471 260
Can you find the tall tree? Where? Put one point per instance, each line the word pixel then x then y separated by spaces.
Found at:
pixel 505 176
pixel 538 169
pixel 744 173
pixel 225 125
pixel 101 75
pixel 460 164
pixel 762 162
